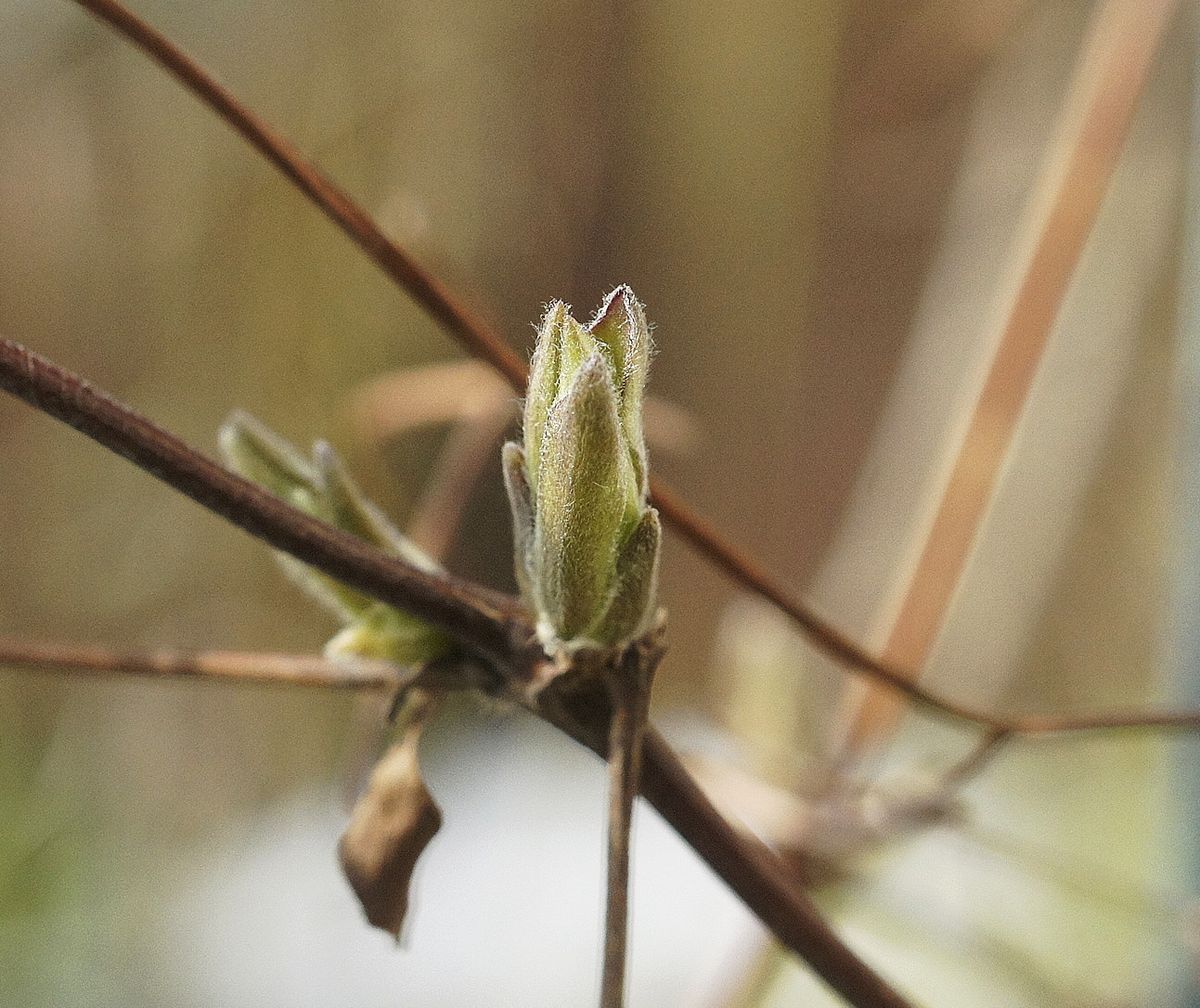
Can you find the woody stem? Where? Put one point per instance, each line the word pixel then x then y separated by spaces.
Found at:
pixel 630 691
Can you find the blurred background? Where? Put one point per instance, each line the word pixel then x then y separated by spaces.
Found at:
pixel 830 210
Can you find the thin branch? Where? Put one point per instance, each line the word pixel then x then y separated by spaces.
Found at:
pixel 251 668
pixel 1038 726
pixel 482 620
pixel 630 692
pixel 481 340
pixel 758 875
pixel 310 670
pixel 1000 734
pixel 399 266
pixel 976 761
pixel 494 624
pixel 1035 728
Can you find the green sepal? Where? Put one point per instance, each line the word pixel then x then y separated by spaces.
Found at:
pixel 632 606
pixel 520 501
pixel 620 327
pixel 581 501
pixel 543 384
pixel 388 634
pixel 260 455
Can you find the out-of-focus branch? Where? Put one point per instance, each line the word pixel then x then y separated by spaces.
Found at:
pixel 1110 73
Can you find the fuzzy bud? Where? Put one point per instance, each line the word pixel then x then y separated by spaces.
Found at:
pixel 586 539
pixel 321 487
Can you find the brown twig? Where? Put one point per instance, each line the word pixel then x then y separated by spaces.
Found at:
pixel 784 908
pixel 1034 728
pixel 494 625
pixel 425 288
pixel 261 668
pixel 482 620
pixel 976 760
pixel 483 341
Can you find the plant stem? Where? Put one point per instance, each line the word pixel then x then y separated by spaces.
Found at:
pixel 630 692
pixel 237 666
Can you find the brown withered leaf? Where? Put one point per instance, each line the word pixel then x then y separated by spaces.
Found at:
pixel 392 823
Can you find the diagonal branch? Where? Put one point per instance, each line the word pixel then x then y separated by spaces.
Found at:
pixel 481 620
pixel 426 289
pixel 483 341
pixel 485 622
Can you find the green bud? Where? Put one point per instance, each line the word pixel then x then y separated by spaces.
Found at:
pixel 322 488
pixel 631 604
pixel 520 500
pixel 389 635
pixel 620 326
pixel 586 540
pixel 585 484
pixel 256 452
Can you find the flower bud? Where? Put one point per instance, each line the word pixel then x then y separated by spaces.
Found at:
pixel 586 540
pixel 322 488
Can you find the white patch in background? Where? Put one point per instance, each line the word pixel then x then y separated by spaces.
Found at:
pixel 507 902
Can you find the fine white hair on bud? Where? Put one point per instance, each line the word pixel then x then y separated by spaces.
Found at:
pixel 585 538
pixel 321 487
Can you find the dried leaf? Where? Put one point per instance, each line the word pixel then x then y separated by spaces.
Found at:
pixel 392 823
